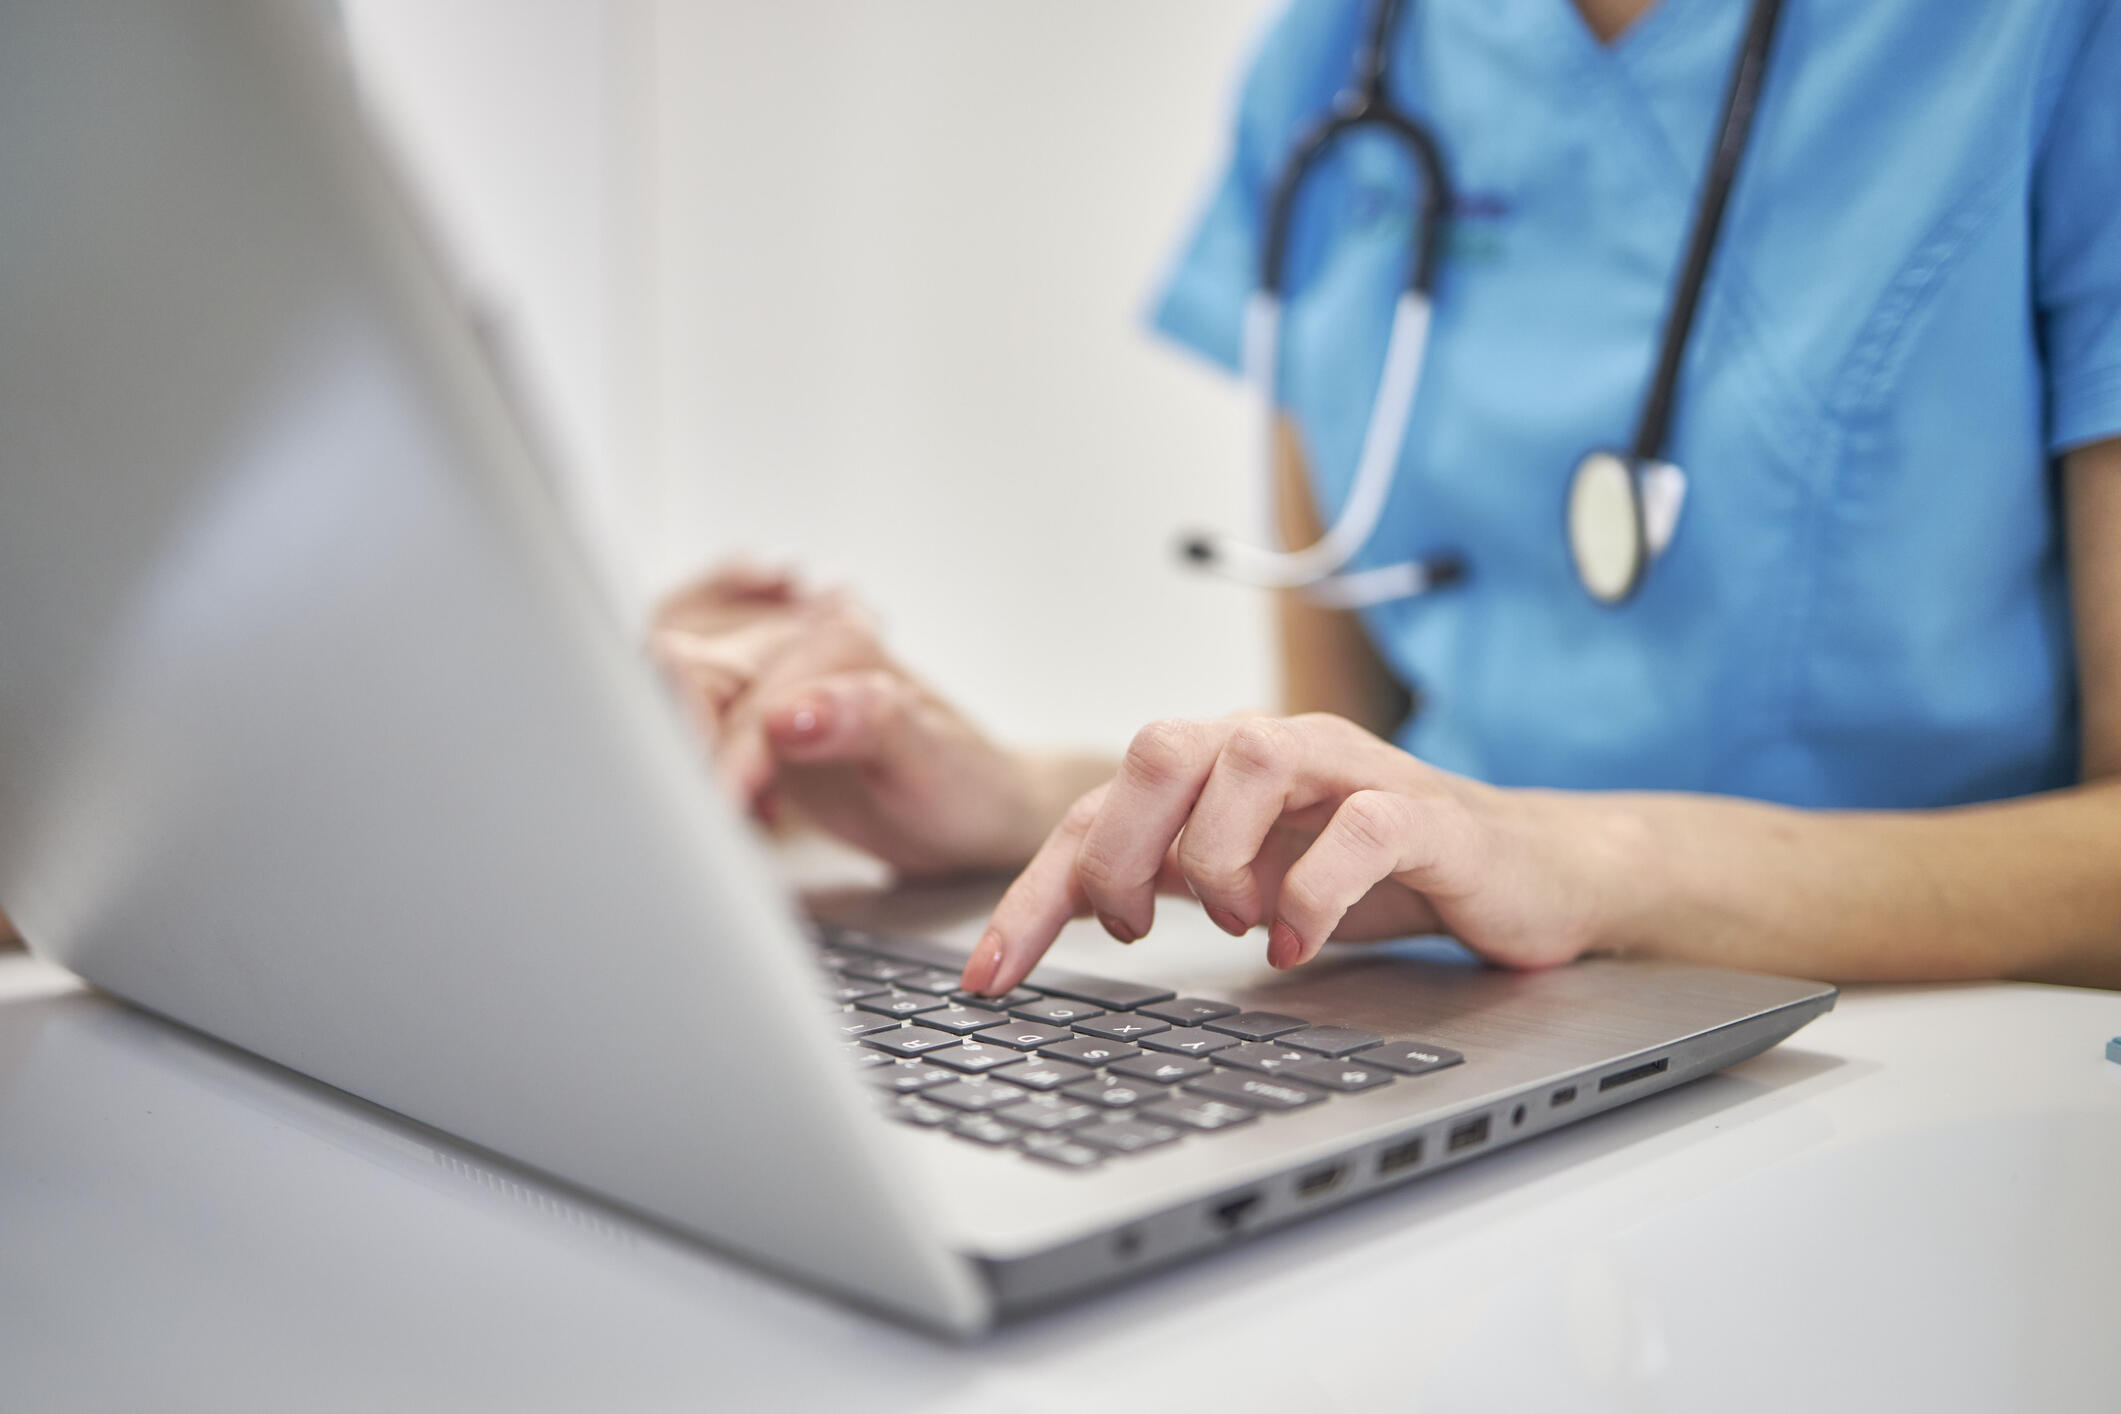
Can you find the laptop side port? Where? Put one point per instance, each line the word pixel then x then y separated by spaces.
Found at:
pixel 1231 1211
pixel 1403 1155
pixel 1634 1073
pixel 1563 1096
pixel 1468 1134
pixel 1319 1181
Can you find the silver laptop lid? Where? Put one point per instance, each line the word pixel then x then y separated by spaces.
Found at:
pixel 312 733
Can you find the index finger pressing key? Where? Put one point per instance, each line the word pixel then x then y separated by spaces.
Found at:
pixel 1037 905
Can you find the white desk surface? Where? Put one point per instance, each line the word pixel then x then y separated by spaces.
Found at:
pixel 1911 1205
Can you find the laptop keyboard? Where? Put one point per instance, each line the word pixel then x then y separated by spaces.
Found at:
pixel 1077 1071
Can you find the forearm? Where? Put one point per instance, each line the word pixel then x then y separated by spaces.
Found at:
pixel 2027 888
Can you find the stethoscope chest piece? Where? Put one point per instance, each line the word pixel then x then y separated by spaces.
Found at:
pixel 1622 512
pixel 1622 506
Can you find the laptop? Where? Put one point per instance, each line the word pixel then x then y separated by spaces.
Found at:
pixel 316 736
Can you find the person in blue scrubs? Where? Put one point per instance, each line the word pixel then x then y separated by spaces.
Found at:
pixel 1862 718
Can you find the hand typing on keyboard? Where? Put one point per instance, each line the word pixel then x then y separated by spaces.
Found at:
pixel 804 707
pixel 1079 1069
pixel 1315 829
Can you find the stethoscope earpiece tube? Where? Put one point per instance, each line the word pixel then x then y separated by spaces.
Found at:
pixel 1733 133
pixel 1622 507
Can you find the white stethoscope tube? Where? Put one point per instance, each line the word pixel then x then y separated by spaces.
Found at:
pixel 1315 567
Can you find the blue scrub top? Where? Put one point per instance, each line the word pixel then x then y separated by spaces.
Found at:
pixel 1916 305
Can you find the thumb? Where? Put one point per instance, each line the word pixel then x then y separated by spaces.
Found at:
pixel 843 718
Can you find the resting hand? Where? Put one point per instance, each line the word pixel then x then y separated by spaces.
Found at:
pixel 1317 829
pixel 805 708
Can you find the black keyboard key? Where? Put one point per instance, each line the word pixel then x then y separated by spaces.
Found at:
pixel 1016 998
pixel 856 989
pixel 1256 1025
pixel 862 1056
pixel 973 1057
pixel 861 1023
pixel 1188 1011
pixel 1089 1050
pixel 961 1020
pixel 1410 1057
pixel 878 969
pixel 1116 1094
pixel 935 982
pixel 1040 1074
pixel 910 1040
pixel 1261 1092
pixel 1056 1011
pixel 898 1004
pixel 1047 1112
pixel 1060 1149
pixel 905 1077
pixel 1354 1074
pixel 975 1096
pixel 1204 1115
pixel 914 1110
pixel 1121 1027
pixel 1329 1040
pixel 1106 992
pixel 1190 1041
pixel 1124 1136
pixel 986 1129
pixel 1025 1035
pixel 1161 1070
pixel 1265 1057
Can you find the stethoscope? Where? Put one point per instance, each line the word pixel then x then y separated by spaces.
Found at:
pixel 1622 506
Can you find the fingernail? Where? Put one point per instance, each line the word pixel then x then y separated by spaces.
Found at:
pixel 805 720
pixel 1229 922
pixel 986 960
pixel 1117 929
pixel 1285 946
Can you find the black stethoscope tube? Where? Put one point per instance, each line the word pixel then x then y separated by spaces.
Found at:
pixel 1621 506
pixel 1364 104
pixel 1747 77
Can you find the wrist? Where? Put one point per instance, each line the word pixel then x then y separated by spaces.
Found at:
pixel 1627 874
pixel 1597 861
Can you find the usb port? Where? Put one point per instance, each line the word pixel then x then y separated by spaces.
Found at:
pixel 1403 1155
pixel 1318 1181
pixel 1562 1096
pixel 1465 1136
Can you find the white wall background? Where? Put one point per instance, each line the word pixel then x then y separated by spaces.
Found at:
pixel 861 284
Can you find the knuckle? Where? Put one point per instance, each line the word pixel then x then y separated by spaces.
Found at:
pixel 1159 750
pixel 1302 897
pixel 1096 867
pixel 1258 746
pixel 1327 724
pixel 1374 821
pixel 1209 873
pixel 884 692
pixel 1080 816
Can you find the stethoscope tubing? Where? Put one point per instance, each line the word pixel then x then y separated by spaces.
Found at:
pixel 1733 133
pixel 1390 412
pixel 1316 569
